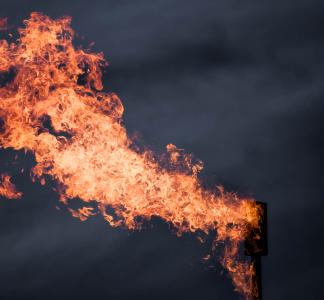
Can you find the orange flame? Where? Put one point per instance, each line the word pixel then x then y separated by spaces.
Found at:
pixel 52 105
pixel 8 189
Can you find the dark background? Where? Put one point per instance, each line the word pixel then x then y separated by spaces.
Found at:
pixel 237 83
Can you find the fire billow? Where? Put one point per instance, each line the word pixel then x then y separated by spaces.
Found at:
pixel 53 107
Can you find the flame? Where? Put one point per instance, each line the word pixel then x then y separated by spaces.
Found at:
pixel 3 24
pixel 52 105
pixel 8 189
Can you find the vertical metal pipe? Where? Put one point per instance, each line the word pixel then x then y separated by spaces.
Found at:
pixel 256 246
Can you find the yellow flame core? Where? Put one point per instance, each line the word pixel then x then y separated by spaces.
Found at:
pixel 86 149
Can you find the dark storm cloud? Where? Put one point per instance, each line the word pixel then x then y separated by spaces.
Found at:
pixel 239 84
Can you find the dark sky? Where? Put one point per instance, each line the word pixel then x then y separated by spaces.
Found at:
pixel 237 83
